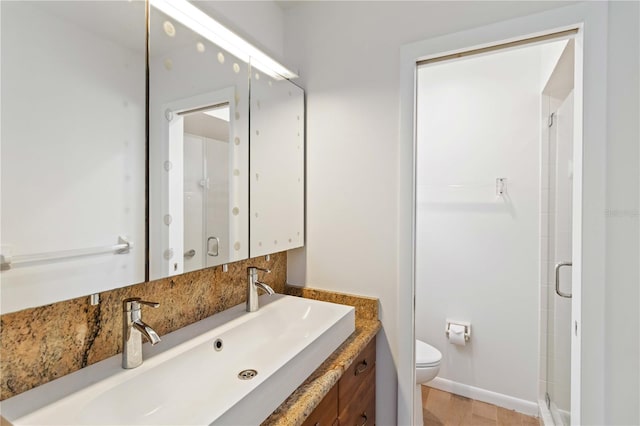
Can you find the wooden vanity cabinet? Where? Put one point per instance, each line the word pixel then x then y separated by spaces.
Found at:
pixel 352 401
pixel 326 413
pixel 357 390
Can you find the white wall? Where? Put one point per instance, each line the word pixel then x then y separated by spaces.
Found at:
pixel 477 254
pixel 259 22
pixel 622 369
pixel 348 56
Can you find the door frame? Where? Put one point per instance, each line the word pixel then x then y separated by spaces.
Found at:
pixel 590 18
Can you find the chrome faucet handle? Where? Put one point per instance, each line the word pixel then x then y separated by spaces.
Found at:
pixel 133 304
pixel 268 271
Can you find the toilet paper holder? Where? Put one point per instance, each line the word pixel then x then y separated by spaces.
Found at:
pixel 465 324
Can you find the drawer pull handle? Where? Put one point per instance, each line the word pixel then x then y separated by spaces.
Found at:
pixel 361 367
pixel 364 416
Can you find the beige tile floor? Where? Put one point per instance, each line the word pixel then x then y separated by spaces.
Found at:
pixel 443 408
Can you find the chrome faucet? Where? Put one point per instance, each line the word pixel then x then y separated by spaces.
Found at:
pixel 132 331
pixel 252 287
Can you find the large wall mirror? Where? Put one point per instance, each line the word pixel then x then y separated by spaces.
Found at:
pixel 73 149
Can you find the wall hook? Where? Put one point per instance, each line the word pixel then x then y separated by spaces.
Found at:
pixel 501 186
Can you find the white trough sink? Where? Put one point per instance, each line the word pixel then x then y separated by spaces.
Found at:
pixel 185 381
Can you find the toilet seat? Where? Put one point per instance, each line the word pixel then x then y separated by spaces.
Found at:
pixel 427 367
pixel 427 355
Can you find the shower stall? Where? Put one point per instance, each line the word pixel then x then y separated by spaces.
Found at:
pixel 556 223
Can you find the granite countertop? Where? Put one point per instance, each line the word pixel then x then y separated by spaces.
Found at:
pixel 295 409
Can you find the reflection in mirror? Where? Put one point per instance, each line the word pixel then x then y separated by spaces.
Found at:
pixel 198 126
pixel 206 187
pixel 277 165
pixel 73 149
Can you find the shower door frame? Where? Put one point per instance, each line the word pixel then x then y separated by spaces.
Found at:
pixel 557 327
pixel 589 194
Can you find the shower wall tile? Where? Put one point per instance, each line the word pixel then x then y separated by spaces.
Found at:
pixel 544 225
pixel 544 273
pixel 41 344
pixel 543 368
pixel 544 253
pixel 544 298
pixel 543 343
pixel 551 268
pixel 542 389
pixel 544 200
pixel 544 314
pixel 544 176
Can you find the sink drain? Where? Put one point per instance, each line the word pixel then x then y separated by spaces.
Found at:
pixel 247 374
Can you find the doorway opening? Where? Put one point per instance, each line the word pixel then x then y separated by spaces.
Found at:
pixel 494 208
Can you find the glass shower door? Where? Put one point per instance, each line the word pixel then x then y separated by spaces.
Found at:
pixel 560 259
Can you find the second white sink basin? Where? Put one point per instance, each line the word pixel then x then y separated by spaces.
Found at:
pixel 185 381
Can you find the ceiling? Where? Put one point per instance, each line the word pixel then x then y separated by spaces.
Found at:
pixel 289 4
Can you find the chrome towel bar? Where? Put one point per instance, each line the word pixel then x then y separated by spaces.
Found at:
pixel 7 261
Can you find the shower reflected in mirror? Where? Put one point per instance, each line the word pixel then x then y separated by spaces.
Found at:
pixel 206 187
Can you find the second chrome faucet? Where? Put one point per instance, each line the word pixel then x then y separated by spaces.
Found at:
pixel 252 288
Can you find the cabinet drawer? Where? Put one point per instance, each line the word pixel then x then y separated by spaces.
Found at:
pixel 357 372
pixel 361 409
pixel 326 413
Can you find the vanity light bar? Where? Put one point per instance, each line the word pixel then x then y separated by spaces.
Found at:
pixel 198 21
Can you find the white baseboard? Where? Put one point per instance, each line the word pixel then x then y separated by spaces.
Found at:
pixel 529 408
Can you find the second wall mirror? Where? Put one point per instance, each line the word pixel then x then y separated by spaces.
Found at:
pixel 226 153
pixel 198 128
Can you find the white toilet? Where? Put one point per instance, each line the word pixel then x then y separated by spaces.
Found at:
pixel 427 366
